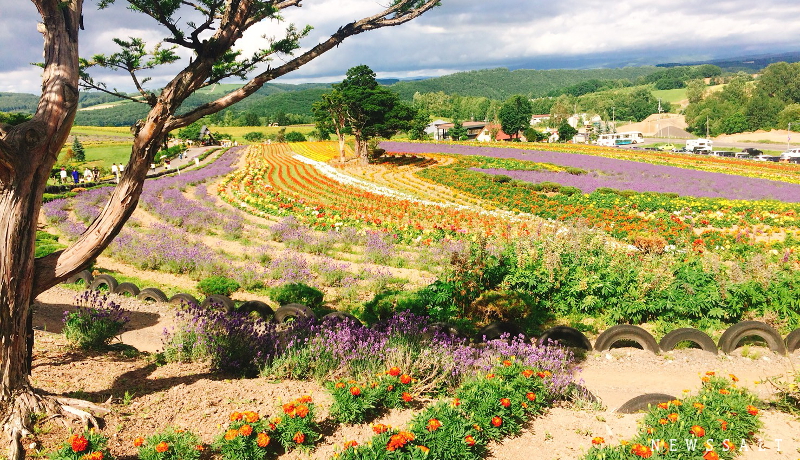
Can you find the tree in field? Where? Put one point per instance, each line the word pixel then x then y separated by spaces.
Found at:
pixel 78 152
pixel 566 132
pixel 29 149
pixel 254 136
pixel 515 115
pixel 458 132
pixel 361 107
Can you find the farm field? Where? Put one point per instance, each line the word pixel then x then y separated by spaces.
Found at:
pixel 450 233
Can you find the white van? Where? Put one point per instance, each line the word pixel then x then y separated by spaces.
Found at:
pixel 699 145
pixel 790 154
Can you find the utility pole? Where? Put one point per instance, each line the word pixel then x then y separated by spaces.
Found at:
pixel 788 135
pixel 614 119
pixel 658 119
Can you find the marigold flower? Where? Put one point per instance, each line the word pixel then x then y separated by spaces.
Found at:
pixel 723 391
pixel 250 417
pixel 380 428
pixel 339 385
pixel 723 425
pixel 527 373
pixel 355 391
pixel 138 441
pixel 433 425
pixel 705 379
pixel 235 415
pixel 407 397
pixel 752 410
pixel 394 371
pixel 305 399
pixel 231 435
pixel 199 447
pixel 663 405
pixel 697 430
pixel 262 439
pixel 399 440
pixel 497 421
pixel 162 447
pixel 245 430
pixel 456 402
pixel 405 379
pixel 524 404
pixel 699 406
pixel 299 437
pixel 288 408
pixel 711 373
pixel 676 402
pixel 642 451
pixel 301 411
pixel 506 363
pixel 349 444
pixel 505 402
pixel 728 445
pixel 663 421
pixel 489 376
pixel 733 378
pixel 597 440
pixel 477 427
pixel 469 440
pixel 531 396
pixel 96 455
pixel 710 455
pixel 424 449
pixel 650 430
pixel 390 388
pixel 78 443
pixel 673 417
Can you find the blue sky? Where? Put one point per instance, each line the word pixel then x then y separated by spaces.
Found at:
pixel 459 35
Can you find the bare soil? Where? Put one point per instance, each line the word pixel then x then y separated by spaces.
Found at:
pixel 145 398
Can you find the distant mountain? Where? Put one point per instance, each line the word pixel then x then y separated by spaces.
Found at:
pixel 752 63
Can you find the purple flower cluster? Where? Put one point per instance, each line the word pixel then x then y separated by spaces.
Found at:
pixel 379 247
pixel 620 174
pixel 56 211
pixel 289 268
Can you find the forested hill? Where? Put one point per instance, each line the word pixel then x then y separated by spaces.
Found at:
pixel 502 83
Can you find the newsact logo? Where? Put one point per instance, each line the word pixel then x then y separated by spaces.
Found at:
pixel 693 445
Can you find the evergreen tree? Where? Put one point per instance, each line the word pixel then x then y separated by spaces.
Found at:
pixel 78 152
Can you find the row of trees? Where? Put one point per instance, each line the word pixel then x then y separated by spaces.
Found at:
pixel 772 101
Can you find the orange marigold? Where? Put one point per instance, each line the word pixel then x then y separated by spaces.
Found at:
pixel 531 396
pixel 262 439
pixel 78 443
pixel 251 417
pixel 301 411
pixel 752 410
pixel 390 388
pixel 245 430
pixel 662 446
pixel 733 378
pixel 724 391
pixel 527 373
pixel 380 428
pixel 456 402
pixel 399 440
pixel 340 385
pixel 231 435
pixel 723 425
pixel 710 455
pixel 138 441
pixel 505 402
pixel 506 363
pixel 699 406
pixel 349 444
pixel 96 455
pixel 299 437
pixel 663 421
pixel 199 447
pixel 489 376
pixel 235 415
pixel 162 447
pixel 597 440
pixel 469 440
pixel 355 391
pixel 497 421
pixel 433 424
pixel 697 430
pixel 405 379
pixel 673 417
pixel 711 373
pixel 288 408
pixel 407 397
pixel 641 451
pixel 305 399
pixel 424 449
pixel 728 445
pixel 663 405
pixel 394 371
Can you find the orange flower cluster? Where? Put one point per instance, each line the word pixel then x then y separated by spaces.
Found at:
pixel 262 440
pixel 433 425
pixel 247 416
pixel 710 455
pixel 399 440
pixel 162 447
pixel 96 455
pixel 380 428
pixel 642 451
pixel 245 430
pixel 597 440
pixel 697 430
pixel 394 371
pixel 138 441
pixel 405 379
pixel 505 402
pixel 78 443
pixel 527 373
pixel 752 410
pixel 349 444
pixel 407 397
pixel 355 391
pixel 497 421
pixel 299 437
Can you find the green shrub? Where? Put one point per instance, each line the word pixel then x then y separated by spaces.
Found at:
pixel 297 293
pixel 217 285
pixel 569 191
pixel 575 171
pixel 96 321
pixel 295 136
pixel 248 437
pixel 501 179
pixel 550 186
pixel 170 444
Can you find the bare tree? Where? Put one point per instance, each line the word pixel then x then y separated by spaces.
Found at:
pixel 29 150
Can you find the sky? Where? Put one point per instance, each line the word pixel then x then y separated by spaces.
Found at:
pixel 459 35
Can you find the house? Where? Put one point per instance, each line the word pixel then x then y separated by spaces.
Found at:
pixel 537 119
pixel 486 134
pixel 431 129
pixel 474 128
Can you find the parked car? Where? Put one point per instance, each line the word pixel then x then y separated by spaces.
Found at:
pixel 790 154
pixel 752 151
pixel 763 157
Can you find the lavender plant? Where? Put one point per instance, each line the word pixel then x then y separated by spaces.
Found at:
pixel 95 322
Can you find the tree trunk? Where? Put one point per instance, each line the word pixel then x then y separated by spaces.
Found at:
pixel 361 148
